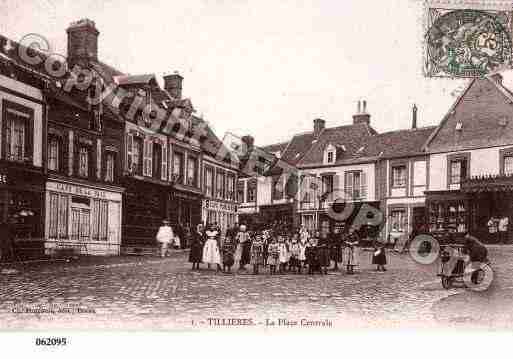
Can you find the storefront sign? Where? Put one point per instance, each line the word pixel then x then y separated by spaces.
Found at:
pixel 223 206
pixel 3 178
pixel 82 191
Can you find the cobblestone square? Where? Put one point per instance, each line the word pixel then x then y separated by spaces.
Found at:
pixel 154 293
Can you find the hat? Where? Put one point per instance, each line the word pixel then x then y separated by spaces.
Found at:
pixel 166 221
pixel 242 227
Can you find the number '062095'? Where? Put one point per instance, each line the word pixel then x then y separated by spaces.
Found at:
pixel 51 341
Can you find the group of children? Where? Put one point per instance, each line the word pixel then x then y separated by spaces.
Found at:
pixel 281 252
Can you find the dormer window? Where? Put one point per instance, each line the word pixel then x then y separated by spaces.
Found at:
pixel 330 154
pixel 459 126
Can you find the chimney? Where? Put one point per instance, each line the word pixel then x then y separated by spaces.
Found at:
pixel 248 141
pixel 319 124
pixel 497 77
pixel 173 84
pixel 414 117
pixel 82 43
pixel 361 115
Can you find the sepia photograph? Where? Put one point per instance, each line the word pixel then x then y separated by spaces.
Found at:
pixel 255 166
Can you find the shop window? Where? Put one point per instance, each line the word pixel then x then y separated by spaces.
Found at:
pixel 355 185
pixel 178 163
pixel 449 216
pixel 398 220
pixel 458 168
pixel 99 220
pixel 192 171
pixel 209 181
pixel 84 161
pixel 110 164
pixel 399 176
pixel 54 148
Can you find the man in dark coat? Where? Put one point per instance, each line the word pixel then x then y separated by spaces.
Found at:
pixel 6 242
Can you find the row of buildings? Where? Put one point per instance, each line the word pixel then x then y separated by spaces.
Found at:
pixel 82 163
pixel 97 167
pixel 446 179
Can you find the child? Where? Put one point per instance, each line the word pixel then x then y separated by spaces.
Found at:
pixel 311 255
pixel 257 253
pixel 228 250
pixel 303 243
pixel 274 255
pixel 294 262
pixel 284 253
pixel 323 251
pixel 351 252
pixel 379 258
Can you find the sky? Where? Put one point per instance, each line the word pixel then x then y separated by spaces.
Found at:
pixel 265 68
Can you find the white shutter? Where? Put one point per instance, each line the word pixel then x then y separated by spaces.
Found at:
pixel 129 152
pixel 363 184
pixel 164 162
pixel 349 185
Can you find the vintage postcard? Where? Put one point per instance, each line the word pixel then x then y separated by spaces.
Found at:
pixel 310 166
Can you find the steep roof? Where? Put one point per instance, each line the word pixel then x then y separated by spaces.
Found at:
pixel 298 147
pixel 275 147
pixel 400 143
pixel 351 137
pixel 484 111
pixel 134 79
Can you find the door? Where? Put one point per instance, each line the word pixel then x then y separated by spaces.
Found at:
pixel 80 221
pixel 419 218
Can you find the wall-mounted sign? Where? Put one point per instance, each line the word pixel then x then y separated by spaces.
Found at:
pixel 223 206
pixel 82 191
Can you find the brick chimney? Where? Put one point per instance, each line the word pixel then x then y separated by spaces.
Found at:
pixel 82 42
pixel 249 143
pixel 414 117
pixel 319 125
pixel 173 84
pixel 361 115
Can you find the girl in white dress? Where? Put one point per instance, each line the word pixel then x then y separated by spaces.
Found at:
pixel 211 254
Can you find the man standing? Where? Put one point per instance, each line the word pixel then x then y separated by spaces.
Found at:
pixel 164 237
pixel 503 229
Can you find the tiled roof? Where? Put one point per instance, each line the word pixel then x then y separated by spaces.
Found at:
pixel 212 144
pixel 400 143
pixel 276 147
pixel 297 147
pixel 485 112
pixel 351 137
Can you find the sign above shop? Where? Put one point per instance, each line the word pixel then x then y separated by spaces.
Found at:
pixel 223 206
pixel 82 191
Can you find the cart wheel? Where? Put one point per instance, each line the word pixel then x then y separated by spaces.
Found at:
pixel 447 282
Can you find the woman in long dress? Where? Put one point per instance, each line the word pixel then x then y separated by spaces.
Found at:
pixel 351 252
pixel 197 242
pixel 257 253
pixel 211 254
pixel 323 250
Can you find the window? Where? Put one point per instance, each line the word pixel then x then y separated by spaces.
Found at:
pixel 58 213
pixel 330 157
pixel 508 165
pixel 15 137
pixel 278 187
pixel 327 184
pixel 355 185
pixel 137 152
pixel 230 188
pixel 240 191
pixel 251 191
pixel 220 184
pixel 458 171
pixel 178 163
pixel 99 220
pixel 157 160
pixel 399 176
pixel 192 169
pixel 209 181
pixel 83 161
pixel 110 160
pixel 53 154
pixel 398 220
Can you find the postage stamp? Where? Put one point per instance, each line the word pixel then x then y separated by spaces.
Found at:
pixel 467 42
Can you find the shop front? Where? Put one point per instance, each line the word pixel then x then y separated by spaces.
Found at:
pixel 82 217
pixel 448 215
pixel 21 209
pixel 185 209
pixel 222 213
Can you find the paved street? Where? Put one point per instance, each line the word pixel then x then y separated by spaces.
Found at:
pixel 136 293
